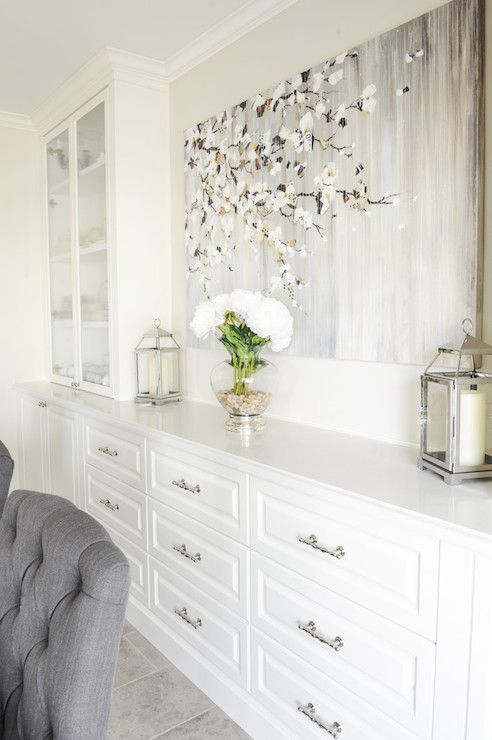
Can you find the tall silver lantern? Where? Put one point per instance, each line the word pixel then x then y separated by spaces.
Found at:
pixel 158 376
pixel 456 423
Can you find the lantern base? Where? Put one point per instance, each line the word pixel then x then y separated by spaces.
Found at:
pixel 453 479
pixel 144 399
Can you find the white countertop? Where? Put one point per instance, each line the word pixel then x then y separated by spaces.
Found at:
pixel 377 470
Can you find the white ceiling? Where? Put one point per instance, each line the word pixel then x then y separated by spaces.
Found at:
pixel 43 42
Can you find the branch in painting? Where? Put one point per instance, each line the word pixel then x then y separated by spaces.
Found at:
pixel 249 182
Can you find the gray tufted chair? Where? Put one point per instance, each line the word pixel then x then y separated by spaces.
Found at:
pixel 63 592
pixel 6 470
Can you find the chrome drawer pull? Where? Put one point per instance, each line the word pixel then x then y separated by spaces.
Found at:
pixel 311 629
pixel 42 404
pixel 109 504
pixel 106 451
pixel 181 483
pixel 312 541
pixel 309 710
pixel 183 551
pixel 183 614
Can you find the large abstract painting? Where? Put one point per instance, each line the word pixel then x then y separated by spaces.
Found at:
pixel 351 191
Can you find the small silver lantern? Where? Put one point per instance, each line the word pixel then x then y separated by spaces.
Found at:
pixel 456 398
pixel 157 357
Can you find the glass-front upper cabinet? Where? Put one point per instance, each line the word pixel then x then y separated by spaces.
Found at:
pixel 78 252
pixel 61 261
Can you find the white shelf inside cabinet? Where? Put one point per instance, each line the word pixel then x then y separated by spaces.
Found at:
pixel 59 186
pixel 94 167
pixel 95 324
pixel 98 248
pixel 65 257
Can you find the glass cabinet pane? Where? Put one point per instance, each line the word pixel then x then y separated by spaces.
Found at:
pixel 437 421
pixel 92 246
pixel 60 256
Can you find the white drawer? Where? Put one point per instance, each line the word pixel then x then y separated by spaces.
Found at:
pixel 282 683
pixel 212 562
pixel 367 557
pixel 214 494
pixel 387 666
pixel 139 566
pixel 219 634
pixel 117 505
pixel 115 451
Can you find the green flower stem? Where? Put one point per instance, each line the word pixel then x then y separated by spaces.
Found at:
pixel 244 347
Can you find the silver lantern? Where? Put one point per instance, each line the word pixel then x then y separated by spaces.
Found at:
pixel 158 375
pixel 456 424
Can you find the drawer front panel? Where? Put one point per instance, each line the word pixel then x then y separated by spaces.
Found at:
pixel 214 494
pixel 139 569
pixel 220 635
pixel 212 562
pixel 116 451
pixel 387 666
pixel 308 702
pixel 371 560
pixel 117 505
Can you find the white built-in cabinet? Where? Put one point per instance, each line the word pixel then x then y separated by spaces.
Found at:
pixel 301 609
pixel 48 447
pixel 79 249
pixel 105 139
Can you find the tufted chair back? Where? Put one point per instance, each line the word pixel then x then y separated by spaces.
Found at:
pixel 63 592
pixel 6 470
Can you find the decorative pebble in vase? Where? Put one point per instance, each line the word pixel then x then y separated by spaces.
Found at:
pixel 245 323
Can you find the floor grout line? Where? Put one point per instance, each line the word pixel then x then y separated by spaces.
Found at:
pixel 180 724
pixel 139 678
pixel 142 653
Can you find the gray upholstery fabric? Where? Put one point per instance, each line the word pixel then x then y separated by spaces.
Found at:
pixel 63 592
pixel 6 470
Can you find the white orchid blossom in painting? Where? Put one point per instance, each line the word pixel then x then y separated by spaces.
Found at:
pixel 248 181
pixel 368 100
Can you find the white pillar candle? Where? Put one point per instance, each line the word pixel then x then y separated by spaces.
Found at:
pixel 153 379
pixel 473 420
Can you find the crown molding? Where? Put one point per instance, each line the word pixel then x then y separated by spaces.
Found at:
pixel 111 64
pixel 225 32
pixel 16 120
pixel 107 65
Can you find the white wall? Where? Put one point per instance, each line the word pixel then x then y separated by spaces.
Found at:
pixel 23 351
pixel 362 398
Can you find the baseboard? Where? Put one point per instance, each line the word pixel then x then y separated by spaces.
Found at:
pixel 232 699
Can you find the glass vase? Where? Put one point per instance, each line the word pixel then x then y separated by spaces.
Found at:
pixel 243 386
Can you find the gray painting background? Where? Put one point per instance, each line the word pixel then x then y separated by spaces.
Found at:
pixel 392 286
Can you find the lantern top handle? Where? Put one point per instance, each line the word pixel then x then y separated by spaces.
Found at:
pixel 471 347
pixel 156 331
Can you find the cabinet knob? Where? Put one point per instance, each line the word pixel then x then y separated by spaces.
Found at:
pixel 42 404
pixel 182 549
pixel 183 614
pixel 310 628
pixel 312 541
pixel 181 483
pixel 309 711
pixel 107 451
pixel 109 504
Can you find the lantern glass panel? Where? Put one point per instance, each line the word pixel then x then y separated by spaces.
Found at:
pixel 437 420
pixel 473 422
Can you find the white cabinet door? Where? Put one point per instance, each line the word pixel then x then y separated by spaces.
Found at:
pixel 32 443
pixel 62 453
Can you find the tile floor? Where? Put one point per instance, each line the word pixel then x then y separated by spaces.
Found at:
pixel 152 700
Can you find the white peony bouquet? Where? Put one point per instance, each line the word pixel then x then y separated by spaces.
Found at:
pixel 245 322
